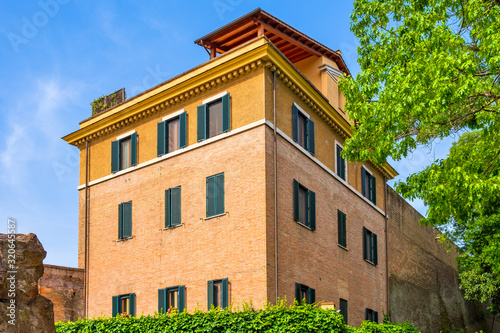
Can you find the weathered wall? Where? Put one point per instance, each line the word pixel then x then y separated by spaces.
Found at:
pixel 64 287
pixel 423 278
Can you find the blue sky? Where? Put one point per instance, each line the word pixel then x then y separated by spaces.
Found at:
pixel 59 55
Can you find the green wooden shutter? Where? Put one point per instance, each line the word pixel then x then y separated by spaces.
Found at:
pixel 365 249
pixel 344 309
pixel 181 300
pixel 373 188
pixel 114 309
pixel 120 221
pixel 182 130
pixel 310 137
pixel 339 227
pixel 375 316
pixel 295 122
pixel 312 209
pixel 115 156
pixel 344 229
pixel 219 194
pixel 131 304
pixel 210 294
pixel 133 148
pixel 226 111
pixel 375 249
pixel 343 165
pixel 162 298
pixel 168 210
pixel 298 292
pixel 339 169
pixel 161 138
pixel 225 293
pixel 127 219
pixel 311 296
pixel 202 122
pixel 295 200
pixel 210 196
pixel 175 204
pixel 363 182
pixel 367 314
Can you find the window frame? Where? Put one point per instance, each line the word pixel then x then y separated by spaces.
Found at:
pixel 310 293
pixel 215 195
pixel 117 304
pixel 163 132
pixel 116 148
pixel 370 246
pixel 310 204
pixel 224 293
pixel 371 315
pixel 203 123
pixel 337 162
pixel 164 300
pixel 368 185
pixel 309 132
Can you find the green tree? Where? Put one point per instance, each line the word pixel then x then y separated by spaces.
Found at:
pixel 430 69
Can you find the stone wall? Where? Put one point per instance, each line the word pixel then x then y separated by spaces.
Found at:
pixel 423 276
pixel 64 286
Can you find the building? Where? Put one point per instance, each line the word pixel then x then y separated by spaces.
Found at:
pixel 225 184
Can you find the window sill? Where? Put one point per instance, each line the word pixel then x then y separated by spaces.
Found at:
pixel 343 247
pixel 214 216
pixel 171 227
pixel 303 225
pixel 123 239
pixel 371 263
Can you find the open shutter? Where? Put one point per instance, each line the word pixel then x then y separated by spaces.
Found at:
pixel 310 137
pixel 115 156
pixel 297 293
pixel 114 310
pixel 202 122
pixel 133 148
pixel 375 316
pixel 168 210
pixel 210 294
pixel 162 298
pixel 120 221
pixel 182 130
pixel 343 165
pixel 225 293
pixel 365 249
pixel 339 162
pixel 219 196
pixel 161 138
pixel 295 200
pixel 175 205
pixel 210 196
pixel 311 296
pixel 295 123
pixel 363 182
pixel 226 112
pixel 375 249
pixel 373 188
pixel 312 209
pixel 181 301
pixel 127 219
pixel 131 304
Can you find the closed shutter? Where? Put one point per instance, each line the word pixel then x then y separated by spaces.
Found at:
pixel 295 123
pixel 120 221
pixel 133 148
pixel 202 122
pixel 115 310
pixel 310 137
pixel 339 228
pixel 210 294
pixel 115 156
pixel 181 301
pixel 311 296
pixel 131 304
pixel 295 200
pixel 175 205
pixel 363 182
pixel 344 229
pixel 365 249
pixel 161 138
pixel 298 288
pixel 375 249
pixel 225 293
pixel 168 210
pixel 162 298
pixel 373 188
pixel 219 195
pixel 312 209
pixel 375 316
pixel 127 219
pixel 344 309
pixel 367 314
pixel 182 130
pixel 210 196
pixel 226 108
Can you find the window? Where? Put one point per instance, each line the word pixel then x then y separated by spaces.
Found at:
pixel 370 246
pixel 341 164
pixel 218 293
pixel 173 297
pixel 123 152
pixel 343 309
pixel 213 117
pixel 125 220
pixel 171 134
pixel 368 183
pixel 342 228
pixel 304 205
pixel 304 292
pixel 215 195
pixel 371 315
pixel 173 207
pixel 123 304
pixel 303 129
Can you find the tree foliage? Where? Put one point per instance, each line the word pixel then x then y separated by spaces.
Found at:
pixel 431 69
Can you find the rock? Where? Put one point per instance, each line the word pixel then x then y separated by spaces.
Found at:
pixel 33 313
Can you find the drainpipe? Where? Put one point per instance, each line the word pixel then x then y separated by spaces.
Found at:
pixel 85 307
pixel 386 249
pixel 275 189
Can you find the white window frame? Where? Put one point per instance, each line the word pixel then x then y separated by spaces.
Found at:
pixel 214 98
pixel 123 136
pixel 172 115
pixel 302 110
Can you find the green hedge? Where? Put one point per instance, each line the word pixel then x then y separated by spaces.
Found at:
pixel 280 318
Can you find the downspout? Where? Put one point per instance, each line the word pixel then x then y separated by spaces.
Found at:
pixel 386 250
pixel 275 189
pixel 85 308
